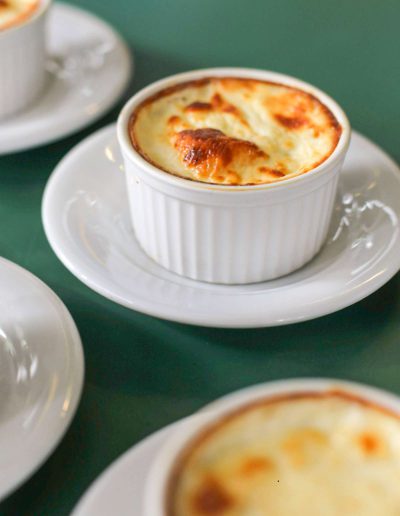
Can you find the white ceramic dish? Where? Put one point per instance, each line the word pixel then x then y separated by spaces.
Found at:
pixel 119 490
pixel 160 471
pixel 41 373
pixel 89 67
pixel 87 222
pixel 230 234
pixel 22 62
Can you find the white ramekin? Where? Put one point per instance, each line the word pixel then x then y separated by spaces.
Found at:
pixel 230 234
pixel 159 476
pixel 22 62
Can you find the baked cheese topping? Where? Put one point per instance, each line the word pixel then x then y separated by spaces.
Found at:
pixel 14 12
pixel 234 131
pixel 325 454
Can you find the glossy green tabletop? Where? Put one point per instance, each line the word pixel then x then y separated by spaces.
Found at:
pixel 141 372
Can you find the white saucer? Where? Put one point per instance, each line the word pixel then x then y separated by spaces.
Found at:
pixel 86 219
pixel 89 69
pixel 41 373
pixel 119 490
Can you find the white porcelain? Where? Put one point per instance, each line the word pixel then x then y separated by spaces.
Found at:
pixel 88 69
pixel 160 471
pixel 119 490
pixel 87 222
pixel 229 234
pixel 22 62
pixel 41 373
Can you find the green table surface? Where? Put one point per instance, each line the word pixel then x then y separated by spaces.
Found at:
pixel 143 373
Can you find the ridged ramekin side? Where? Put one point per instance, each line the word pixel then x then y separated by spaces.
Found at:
pixel 22 66
pixel 229 244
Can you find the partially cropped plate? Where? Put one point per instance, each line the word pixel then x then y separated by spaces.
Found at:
pixel 41 373
pixel 86 219
pixel 89 67
pixel 120 489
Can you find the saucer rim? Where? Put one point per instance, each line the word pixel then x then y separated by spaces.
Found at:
pixel 341 301
pixel 75 345
pixel 79 122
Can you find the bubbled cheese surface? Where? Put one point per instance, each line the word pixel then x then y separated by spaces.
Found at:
pixel 327 455
pixel 234 131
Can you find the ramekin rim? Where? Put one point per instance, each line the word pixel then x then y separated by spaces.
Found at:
pixel 41 11
pixel 192 426
pixel 154 87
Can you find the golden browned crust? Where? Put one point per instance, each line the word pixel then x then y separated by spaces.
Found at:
pixel 21 17
pixel 207 157
pixel 211 498
pixel 209 149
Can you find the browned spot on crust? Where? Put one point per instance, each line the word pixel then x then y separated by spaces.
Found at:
pixel 280 167
pixel 276 173
pixel 371 444
pixel 316 132
pixel 172 120
pixel 208 433
pixel 209 148
pixel 273 172
pixel 219 103
pixel 4 3
pixel 290 108
pixel 293 122
pixel 199 106
pixel 254 465
pixel 211 498
pixel 300 445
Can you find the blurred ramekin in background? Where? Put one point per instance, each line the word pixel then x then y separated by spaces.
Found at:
pixel 22 61
pixel 356 437
pixel 230 234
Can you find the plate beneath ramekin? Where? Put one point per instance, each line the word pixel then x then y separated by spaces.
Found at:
pixel 41 373
pixel 89 69
pixel 86 218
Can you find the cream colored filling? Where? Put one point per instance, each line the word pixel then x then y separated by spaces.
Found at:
pixel 252 113
pixel 315 457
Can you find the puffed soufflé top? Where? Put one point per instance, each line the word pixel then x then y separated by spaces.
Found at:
pixel 234 131
pixel 307 454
